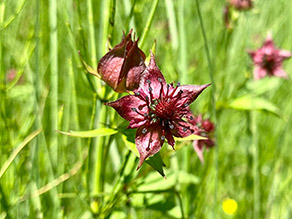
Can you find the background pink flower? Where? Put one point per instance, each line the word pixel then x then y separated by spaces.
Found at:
pixel 268 60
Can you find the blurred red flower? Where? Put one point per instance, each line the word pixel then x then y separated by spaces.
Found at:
pixel 206 129
pixel 241 4
pixel 268 60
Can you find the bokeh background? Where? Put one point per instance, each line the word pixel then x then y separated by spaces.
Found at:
pixel 44 87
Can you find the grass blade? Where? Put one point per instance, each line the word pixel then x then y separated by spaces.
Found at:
pixel 148 23
pixel 17 151
pixel 54 80
pixel 211 75
pixel 90 134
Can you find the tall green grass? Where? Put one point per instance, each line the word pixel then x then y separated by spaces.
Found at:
pixel 55 176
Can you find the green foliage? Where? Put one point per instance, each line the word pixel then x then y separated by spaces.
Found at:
pixel 92 174
pixel 91 133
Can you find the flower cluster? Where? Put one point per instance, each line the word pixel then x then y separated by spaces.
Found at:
pixel 158 110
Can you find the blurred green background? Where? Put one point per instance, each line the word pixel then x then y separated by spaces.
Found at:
pixel 44 88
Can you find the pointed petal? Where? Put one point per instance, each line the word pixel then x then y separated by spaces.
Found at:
pixel 190 93
pixel 110 65
pixel 194 120
pixel 170 139
pixel 199 150
pixel 152 77
pixel 136 123
pixel 129 107
pixel 279 72
pixel 269 43
pixel 259 73
pixel 251 53
pixel 183 129
pixel 134 66
pixel 285 54
pixel 148 141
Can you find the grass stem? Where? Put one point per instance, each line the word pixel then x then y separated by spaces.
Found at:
pixel 256 175
pixel 148 23
pixel 54 81
pixel 211 75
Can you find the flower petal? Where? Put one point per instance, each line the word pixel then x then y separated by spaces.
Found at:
pixel 183 129
pixel 148 141
pixel 259 73
pixel 110 65
pixel 280 73
pixel 190 93
pixel 285 54
pixel 170 139
pixel 269 43
pixel 152 79
pixel 134 66
pixel 129 107
pixel 198 147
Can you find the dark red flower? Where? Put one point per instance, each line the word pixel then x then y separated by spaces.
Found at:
pixel 158 110
pixel 121 67
pixel 206 129
pixel 241 4
pixel 268 60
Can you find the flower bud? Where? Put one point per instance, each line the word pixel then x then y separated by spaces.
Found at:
pixel 121 67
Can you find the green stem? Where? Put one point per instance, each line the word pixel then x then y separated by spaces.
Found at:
pixel 183 46
pixel 92 46
pixel 54 81
pixel 104 28
pixel 256 187
pixel 130 15
pixel 100 152
pixel 35 149
pixel 148 23
pixel 91 153
pixel 180 204
pixel 172 24
pixel 211 75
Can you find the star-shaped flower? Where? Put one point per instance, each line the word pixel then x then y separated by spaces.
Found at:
pixel 268 60
pixel 206 129
pixel 158 110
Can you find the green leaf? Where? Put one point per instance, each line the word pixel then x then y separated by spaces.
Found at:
pixel 190 138
pixel 249 102
pixel 153 49
pixel 187 178
pixel 155 161
pixel 90 133
pixel 264 85
pixel 130 145
pixel 166 202
pixel 88 68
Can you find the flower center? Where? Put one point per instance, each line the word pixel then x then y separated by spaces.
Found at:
pixel 269 63
pixel 164 109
